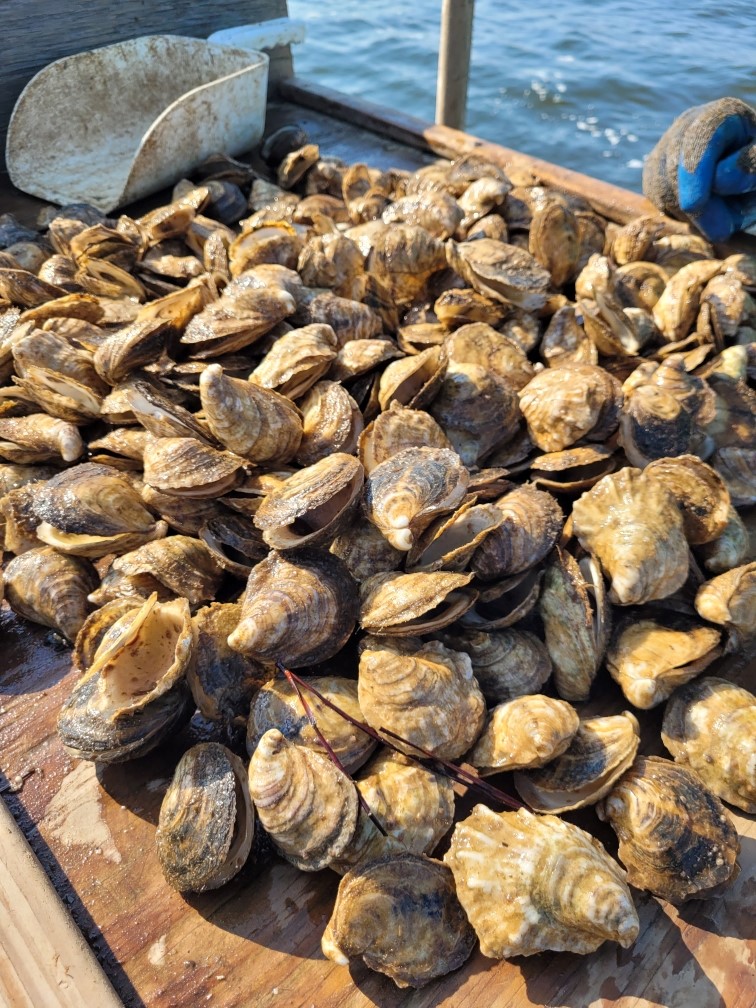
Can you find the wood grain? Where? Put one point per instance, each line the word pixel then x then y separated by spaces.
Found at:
pixel 34 36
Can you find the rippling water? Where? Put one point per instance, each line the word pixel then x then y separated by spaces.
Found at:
pixel 587 86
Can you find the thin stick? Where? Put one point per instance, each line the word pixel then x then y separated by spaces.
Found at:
pixel 445 767
pixel 295 682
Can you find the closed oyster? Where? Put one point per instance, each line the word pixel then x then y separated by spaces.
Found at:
pixel 530 883
pixel 403 257
pixel 185 466
pixel 530 526
pixel 677 307
pixel 297 609
pixel 576 619
pixel 277 705
pixel 92 510
pixel 365 550
pixel 251 421
pixel 297 360
pixel 17 508
pixel 649 658
pixel 398 604
pixel 506 663
pixel 331 422
pixel 406 492
pixel 39 438
pixel 349 320
pixel 730 600
pixel 435 210
pixel 710 726
pixel 730 548
pixel 600 752
pixel 501 271
pixel 528 731
pixel 235 544
pixel 159 414
pixel 206 824
pixel 414 805
pixel 562 405
pixel 307 806
pixel 396 429
pixel 179 563
pixel 633 526
pixel 49 588
pixel 313 505
pixel 554 238
pixel 675 837
pixel 401 915
pixel 573 470
pixel 429 698
pixel 459 307
pixel 565 340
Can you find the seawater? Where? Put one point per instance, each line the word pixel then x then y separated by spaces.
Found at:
pixel 590 86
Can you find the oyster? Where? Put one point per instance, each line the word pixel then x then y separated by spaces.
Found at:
pixel 451 541
pixel 649 658
pixel 731 547
pixel 365 550
pixel 39 438
pixel 402 257
pixel 206 823
pixel 185 466
pixel 530 883
pixel 600 752
pixel 181 564
pixel 506 663
pixel 222 681
pixel 49 588
pixel 307 806
pixel 501 271
pixel 429 697
pixel 530 526
pixel 297 361
pixel 235 544
pixel 405 493
pixel 313 505
pixel 675 837
pixel 401 915
pixel 700 493
pixel 633 526
pixel 277 705
pixel 331 422
pixel 398 604
pixel 256 423
pixel 553 238
pixel 564 404
pixel 710 726
pixel 297 609
pixel 525 732
pixel 730 600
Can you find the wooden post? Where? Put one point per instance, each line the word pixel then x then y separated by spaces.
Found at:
pixel 454 62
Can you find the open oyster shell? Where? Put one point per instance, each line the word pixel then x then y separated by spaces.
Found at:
pixel 206 824
pixel 676 838
pixel 649 658
pixel 530 883
pixel 600 751
pixel 429 697
pixel 710 725
pixel 306 804
pixel 528 731
pixel 632 524
pixel 277 705
pixel 297 609
pixel 401 914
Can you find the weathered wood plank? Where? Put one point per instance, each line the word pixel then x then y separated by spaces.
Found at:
pixel 52 29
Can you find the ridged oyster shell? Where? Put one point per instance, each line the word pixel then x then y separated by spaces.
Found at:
pixel 710 725
pixel 675 837
pixel 563 404
pixel 277 705
pixel 398 604
pixel 401 914
pixel 204 833
pixel 305 803
pixel 50 588
pixel 429 696
pixel 506 663
pixel 599 752
pixel 528 731
pixel 531 524
pixel 530 883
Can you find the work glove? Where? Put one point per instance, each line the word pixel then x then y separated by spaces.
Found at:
pixel 704 168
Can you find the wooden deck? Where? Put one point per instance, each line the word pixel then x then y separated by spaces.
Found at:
pixel 256 942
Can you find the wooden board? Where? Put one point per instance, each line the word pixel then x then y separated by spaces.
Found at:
pixel 257 940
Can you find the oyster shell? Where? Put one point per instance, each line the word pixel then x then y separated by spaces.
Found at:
pixel 405 493
pixel 186 466
pixel 675 837
pixel 731 547
pixel 365 550
pixel 633 526
pixel 277 705
pixel 331 422
pixel 530 883
pixel 730 600
pixel 525 732
pixel 39 438
pixel 649 658
pixel 401 915
pixel 306 805
pixel 451 541
pixel 398 604
pixel 204 833
pixel 531 524
pixel 429 697
pixel 600 752
pixel 501 271
pixel 700 493
pixel 181 564
pixel 710 726
pixel 506 663
pixel 49 588
pixel 297 609
pixel 297 360
pixel 562 405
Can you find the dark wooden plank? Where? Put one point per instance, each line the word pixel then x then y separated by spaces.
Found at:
pixel 34 36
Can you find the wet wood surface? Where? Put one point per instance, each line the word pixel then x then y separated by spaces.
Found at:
pixel 256 941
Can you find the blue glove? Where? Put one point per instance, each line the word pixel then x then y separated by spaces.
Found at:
pixel 704 168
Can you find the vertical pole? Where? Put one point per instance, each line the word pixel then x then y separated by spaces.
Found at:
pixel 454 62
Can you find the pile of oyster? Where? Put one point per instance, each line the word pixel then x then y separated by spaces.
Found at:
pixel 456 451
